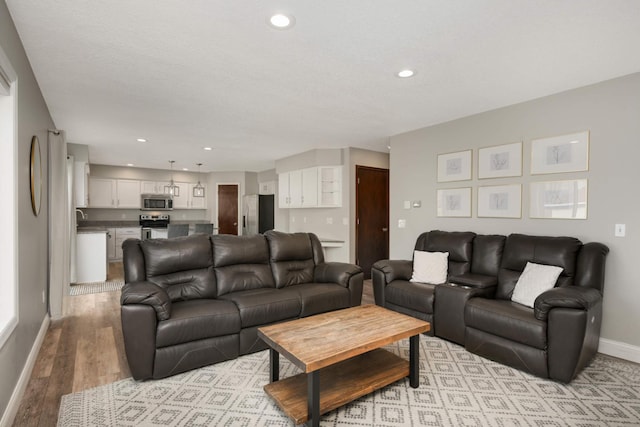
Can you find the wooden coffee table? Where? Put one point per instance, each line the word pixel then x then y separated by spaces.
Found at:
pixel 340 357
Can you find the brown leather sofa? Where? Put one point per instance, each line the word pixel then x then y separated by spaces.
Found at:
pixel 555 339
pixel 197 300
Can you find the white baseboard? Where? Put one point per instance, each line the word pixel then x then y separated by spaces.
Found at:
pixel 619 349
pixel 18 392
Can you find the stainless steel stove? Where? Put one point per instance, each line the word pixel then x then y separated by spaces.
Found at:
pixel 147 222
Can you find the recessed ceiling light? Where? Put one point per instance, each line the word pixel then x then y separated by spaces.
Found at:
pixel 208 148
pixel 141 140
pixel 281 21
pixel 129 164
pixel 185 169
pixel 406 73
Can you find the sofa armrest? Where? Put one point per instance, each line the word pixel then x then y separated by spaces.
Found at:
pixel 335 272
pixel 147 293
pixel 472 280
pixel 565 297
pixel 394 269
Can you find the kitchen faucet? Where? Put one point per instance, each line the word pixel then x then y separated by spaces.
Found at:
pixel 81 213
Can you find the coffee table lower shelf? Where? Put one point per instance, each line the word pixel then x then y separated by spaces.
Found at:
pixel 339 384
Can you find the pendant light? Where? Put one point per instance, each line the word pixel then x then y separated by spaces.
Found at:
pixel 172 188
pixel 198 189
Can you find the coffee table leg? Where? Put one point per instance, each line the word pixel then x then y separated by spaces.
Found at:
pixel 313 398
pixel 274 364
pixel 414 361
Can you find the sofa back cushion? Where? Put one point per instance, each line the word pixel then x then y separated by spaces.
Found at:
pixel 487 254
pixel 241 263
pixel 520 249
pixel 182 266
pixel 459 244
pixel 293 257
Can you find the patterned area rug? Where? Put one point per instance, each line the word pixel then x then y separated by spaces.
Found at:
pixel 95 287
pixel 457 388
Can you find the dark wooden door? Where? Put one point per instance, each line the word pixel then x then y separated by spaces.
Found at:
pixel 372 217
pixel 228 209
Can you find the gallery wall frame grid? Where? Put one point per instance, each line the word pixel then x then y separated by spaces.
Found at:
pixel 456 166
pixel 560 154
pixel 500 161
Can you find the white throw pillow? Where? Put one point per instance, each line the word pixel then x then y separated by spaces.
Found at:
pixel 430 267
pixel 534 280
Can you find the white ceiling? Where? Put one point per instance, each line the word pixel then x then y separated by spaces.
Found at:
pixel 190 74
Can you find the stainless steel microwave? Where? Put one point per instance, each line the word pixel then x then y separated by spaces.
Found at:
pixel 156 202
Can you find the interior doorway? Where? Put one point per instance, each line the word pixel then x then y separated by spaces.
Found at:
pixel 372 217
pixel 228 209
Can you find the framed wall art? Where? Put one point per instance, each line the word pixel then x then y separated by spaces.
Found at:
pixel 500 161
pixel 558 154
pixel 454 166
pixel 454 202
pixel 500 201
pixel 559 199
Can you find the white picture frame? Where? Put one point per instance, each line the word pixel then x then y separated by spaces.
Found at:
pixel 500 201
pixel 454 202
pixel 455 166
pixel 500 161
pixel 560 154
pixel 565 199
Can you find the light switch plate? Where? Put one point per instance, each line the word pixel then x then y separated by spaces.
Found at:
pixel 402 223
pixel 621 230
pixel 407 204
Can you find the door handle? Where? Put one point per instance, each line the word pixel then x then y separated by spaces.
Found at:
pixel 385 229
pixel 235 223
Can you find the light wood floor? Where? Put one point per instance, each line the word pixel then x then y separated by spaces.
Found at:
pixel 84 349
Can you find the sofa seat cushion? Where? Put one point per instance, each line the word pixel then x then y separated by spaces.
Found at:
pixel 321 297
pixel 415 296
pixel 198 319
pixel 264 306
pixel 506 319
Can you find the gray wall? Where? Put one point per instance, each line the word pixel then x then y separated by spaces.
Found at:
pixel 33 119
pixel 611 112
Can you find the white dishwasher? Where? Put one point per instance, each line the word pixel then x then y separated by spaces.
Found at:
pixel 91 256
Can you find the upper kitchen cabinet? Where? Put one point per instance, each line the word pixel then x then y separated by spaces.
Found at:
pixel 114 193
pixel 154 187
pixel 102 193
pixel 316 187
pixel 181 195
pixel 81 183
pixel 196 202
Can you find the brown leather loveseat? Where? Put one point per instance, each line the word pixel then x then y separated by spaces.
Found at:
pixel 197 300
pixel 555 338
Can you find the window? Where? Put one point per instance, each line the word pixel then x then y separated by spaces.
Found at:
pixel 8 153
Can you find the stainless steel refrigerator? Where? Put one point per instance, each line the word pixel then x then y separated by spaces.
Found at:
pixel 257 213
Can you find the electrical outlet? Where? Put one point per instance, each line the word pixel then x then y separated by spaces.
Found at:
pixel 407 204
pixel 345 221
pixel 329 220
pixel 402 223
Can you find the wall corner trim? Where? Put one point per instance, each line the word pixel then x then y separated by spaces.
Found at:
pixel 18 392
pixel 619 349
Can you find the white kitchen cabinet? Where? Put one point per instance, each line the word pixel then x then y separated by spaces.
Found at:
pixel 330 186
pixel 81 183
pixel 102 193
pixel 111 244
pixel 128 194
pixel 290 189
pixel 268 187
pixel 153 187
pixel 122 234
pixel 310 188
pixel 114 193
pixel 181 195
pixel 197 202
